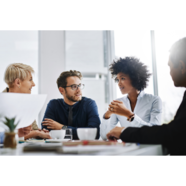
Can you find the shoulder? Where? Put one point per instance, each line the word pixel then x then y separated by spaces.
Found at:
pixel 123 99
pixel 89 105
pixel 55 102
pixel 151 98
pixel 87 101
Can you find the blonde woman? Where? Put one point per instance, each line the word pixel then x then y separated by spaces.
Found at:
pixel 19 79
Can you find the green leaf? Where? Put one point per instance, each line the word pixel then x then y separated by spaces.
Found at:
pixel 10 123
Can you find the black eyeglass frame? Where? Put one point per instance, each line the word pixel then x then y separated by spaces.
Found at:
pixel 78 86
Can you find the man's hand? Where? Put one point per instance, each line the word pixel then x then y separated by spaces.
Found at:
pixel 118 107
pixel 51 124
pixel 115 133
pixel 24 131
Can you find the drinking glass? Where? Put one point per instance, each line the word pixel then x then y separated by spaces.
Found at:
pixel 68 134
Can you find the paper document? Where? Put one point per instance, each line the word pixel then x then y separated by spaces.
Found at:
pixel 25 107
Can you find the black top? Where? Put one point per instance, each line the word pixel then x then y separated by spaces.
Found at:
pixel 172 135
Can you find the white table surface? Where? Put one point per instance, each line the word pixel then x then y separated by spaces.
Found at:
pixel 128 150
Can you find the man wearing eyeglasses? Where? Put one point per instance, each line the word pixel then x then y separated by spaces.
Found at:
pixel 74 111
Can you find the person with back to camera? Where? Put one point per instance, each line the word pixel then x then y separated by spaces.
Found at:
pixel 137 108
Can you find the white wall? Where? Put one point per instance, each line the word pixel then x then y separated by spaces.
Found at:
pixel 51 64
pixel 18 47
pixel 84 51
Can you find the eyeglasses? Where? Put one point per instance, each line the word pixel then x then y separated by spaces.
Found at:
pixel 75 87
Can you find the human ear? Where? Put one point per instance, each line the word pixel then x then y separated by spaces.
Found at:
pixel 61 90
pixel 17 82
pixel 182 67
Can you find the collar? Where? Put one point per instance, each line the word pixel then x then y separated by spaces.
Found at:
pixel 140 95
pixel 67 106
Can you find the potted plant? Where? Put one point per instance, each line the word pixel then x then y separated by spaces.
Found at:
pixel 10 137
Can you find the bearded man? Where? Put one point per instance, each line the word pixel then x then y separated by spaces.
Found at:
pixel 74 111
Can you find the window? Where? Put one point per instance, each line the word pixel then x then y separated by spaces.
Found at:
pixel 170 95
pixel 136 44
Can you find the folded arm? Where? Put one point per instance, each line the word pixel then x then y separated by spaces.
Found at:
pixel 117 107
pixel 49 118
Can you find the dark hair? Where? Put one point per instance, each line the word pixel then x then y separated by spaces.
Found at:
pixel 136 70
pixel 178 51
pixel 62 79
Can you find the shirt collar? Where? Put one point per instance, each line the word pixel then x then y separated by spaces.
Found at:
pixel 140 95
pixel 67 106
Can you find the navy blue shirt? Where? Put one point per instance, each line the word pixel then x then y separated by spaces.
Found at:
pixel 85 114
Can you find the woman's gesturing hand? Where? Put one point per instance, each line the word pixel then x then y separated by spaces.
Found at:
pixel 108 114
pixel 118 107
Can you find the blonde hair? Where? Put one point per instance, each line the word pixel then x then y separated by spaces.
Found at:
pixel 17 70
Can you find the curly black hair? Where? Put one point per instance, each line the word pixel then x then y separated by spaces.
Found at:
pixel 134 68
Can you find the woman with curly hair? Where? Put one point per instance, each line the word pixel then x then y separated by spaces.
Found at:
pixel 137 108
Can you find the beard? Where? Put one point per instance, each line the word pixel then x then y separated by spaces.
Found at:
pixel 72 98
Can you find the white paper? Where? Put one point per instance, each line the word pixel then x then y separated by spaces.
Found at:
pixel 25 107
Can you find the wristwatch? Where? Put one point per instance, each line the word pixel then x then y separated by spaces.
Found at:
pixel 64 127
pixel 132 118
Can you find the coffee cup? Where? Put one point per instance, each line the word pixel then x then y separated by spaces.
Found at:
pixel 87 133
pixel 57 134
